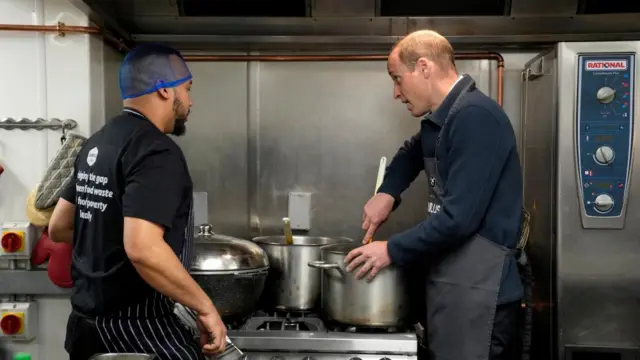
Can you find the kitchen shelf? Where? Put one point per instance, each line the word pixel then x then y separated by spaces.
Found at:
pixel 28 282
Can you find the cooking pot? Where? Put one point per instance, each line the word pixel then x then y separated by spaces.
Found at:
pixel 292 284
pixel 124 356
pixel 383 302
pixel 231 271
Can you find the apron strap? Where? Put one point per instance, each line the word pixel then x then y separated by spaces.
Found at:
pixel 526 276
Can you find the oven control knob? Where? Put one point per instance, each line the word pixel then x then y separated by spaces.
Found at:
pixel 604 155
pixel 603 203
pixel 308 358
pixel 355 358
pixel 606 94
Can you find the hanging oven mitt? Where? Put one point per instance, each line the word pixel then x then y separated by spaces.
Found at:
pixel 59 173
pixel 35 216
pixel 59 257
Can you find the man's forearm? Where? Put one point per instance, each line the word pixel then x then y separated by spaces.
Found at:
pixel 161 269
pixel 61 236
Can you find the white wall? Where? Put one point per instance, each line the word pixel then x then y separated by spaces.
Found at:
pixel 46 76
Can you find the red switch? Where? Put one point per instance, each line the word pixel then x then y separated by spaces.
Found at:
pixel 1 170
pixel 11 242
pixel 11 324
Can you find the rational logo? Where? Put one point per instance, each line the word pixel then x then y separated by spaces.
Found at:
pixel 605 65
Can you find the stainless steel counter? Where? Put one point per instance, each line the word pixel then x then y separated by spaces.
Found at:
pixel 338 342
pixel 307 337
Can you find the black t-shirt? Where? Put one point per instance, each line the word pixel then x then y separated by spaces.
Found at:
pixel 128 168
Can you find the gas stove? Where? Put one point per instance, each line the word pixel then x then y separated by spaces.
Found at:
pixel 304 336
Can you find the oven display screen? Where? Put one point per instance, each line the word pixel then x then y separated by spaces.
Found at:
pixel 603 138
pixel 601 185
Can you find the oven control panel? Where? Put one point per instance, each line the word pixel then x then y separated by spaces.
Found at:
pixel 604 126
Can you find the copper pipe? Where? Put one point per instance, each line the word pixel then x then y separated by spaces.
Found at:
pixel 269 58
pixel 61 29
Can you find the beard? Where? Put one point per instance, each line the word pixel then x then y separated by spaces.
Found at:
pixel 179 127
pixel 180 114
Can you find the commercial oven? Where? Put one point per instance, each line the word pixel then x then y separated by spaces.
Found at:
pixel 582 187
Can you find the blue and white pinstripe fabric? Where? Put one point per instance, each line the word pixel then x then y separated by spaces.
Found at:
pixel 151 327
pixel 188 318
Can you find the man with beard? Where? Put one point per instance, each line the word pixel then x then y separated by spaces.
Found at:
pixel 128 214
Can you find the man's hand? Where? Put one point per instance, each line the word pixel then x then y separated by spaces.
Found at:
pixel 159 266
pixel 213 332
pixel 374 256
pixel 376 212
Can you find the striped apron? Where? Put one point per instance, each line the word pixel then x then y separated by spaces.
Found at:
pixel 150 326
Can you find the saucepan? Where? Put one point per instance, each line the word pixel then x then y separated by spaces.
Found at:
pixel 383 302
pixel 291 284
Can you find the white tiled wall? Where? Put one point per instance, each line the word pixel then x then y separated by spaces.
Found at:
pixel 45 76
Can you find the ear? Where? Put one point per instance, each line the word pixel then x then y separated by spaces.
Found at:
pixel 423 67
pixel 164 93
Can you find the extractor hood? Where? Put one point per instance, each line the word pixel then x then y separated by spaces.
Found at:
pixel 228 24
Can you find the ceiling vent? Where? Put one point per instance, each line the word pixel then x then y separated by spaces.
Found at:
pixel 595 7
pixel 443 8
pixel 244 8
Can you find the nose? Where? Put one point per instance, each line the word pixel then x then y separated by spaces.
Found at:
pixel 396 92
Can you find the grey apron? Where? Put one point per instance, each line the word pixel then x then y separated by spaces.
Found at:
pixel 462 288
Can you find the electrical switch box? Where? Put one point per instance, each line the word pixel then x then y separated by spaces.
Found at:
pixel 17 240
pixel 18 320
pixel 300 210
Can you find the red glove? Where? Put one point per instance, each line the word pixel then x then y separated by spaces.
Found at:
pixel 59 256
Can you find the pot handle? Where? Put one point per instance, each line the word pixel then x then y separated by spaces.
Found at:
pixel 323 265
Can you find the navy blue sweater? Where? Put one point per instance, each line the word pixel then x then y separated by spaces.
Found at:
pixel 482 180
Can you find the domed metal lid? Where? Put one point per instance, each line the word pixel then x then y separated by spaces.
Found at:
pixel 221 253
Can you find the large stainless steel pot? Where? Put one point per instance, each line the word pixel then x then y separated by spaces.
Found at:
pixel 383 302
pixel 292 284
pixel 124 356
pixel 231 271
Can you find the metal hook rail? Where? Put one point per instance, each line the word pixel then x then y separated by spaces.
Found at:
pixel 38 124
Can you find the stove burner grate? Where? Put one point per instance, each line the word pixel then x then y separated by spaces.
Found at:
pixel 286 314
pixel 366 330
pixel 338 327
pixel 286 325
pixel 284 321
